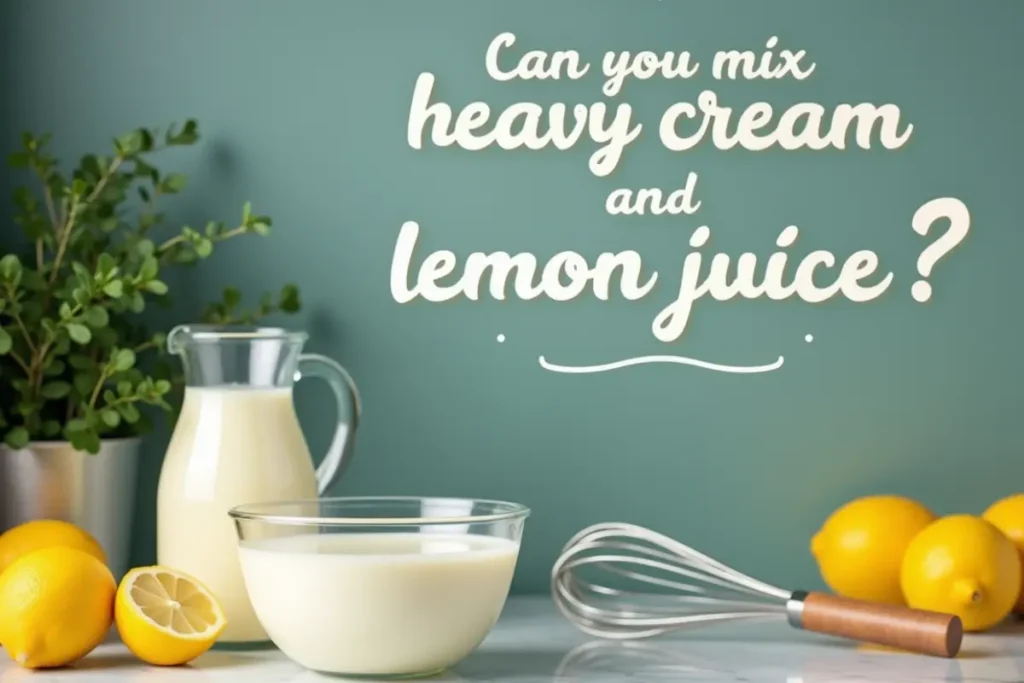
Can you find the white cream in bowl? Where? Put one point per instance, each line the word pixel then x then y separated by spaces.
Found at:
pixel 382 604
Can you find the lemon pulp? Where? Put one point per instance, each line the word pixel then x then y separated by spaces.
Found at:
pixel 166 617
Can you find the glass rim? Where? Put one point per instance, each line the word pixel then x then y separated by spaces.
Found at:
pixel 247 333
pixel 260 512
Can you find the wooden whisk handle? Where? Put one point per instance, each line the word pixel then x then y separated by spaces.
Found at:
pixel 894 626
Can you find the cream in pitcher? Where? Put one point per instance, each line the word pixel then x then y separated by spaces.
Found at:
pixel 237 441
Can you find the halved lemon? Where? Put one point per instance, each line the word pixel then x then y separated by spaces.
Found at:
pixel 166 617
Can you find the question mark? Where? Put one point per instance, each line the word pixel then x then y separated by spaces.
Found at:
pixel 959 224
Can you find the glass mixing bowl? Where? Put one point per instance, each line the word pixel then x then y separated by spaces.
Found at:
pixel 378 586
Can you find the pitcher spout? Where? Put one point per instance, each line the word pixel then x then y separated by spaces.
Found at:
pixel 176 339
pixel 230 355
pixel 182 335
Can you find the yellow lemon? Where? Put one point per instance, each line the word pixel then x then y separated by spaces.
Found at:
pixel 57 605
pixel 166 617
pixel 1008 516
pixel 860 546
pixel 965 566
pixel 45 533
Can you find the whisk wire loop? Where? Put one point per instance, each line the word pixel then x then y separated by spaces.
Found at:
pixel 677 587
pixel 635 554
pixel 629 534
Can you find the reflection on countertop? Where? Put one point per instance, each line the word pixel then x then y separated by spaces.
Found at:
pixel 533 644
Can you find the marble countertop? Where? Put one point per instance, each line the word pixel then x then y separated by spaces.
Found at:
pixel 533 644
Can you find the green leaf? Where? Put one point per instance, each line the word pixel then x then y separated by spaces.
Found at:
pixel 185 257
pixel 96 316
pixel 51 428
pixel 144 170
pixel 81 296
pixel 156 287
pixel 231 297
pixel 17 438
pixel 65 311
pixel 55 368
pixel 137 304
pixel 88 441
pixel 105 336
pixel 105 265
pixel 55 390
pixel 82 273
pixel 79 333
pixel 130 143
pixel 34 422
pixel 188 134
pixel 112 194
pixel 85 382
pixel 33 280
pixel 81 362
pixel 5 342
pixel 35 228
pixel 173 183
pixel 129 412
pixel 290 302
pixel 10 268
pixel 90 165
pixel 145 248
pixel 114 289
pixel 149 268
pixel 124 360
pixel 124 388
pixel 204 247
pixel 25 200
pixel 110 417
pixel 27 408
pixel 49 327
pixel 162 386
pixel 76 425
pixel 18 160
pixel 61 346
pixel 260 227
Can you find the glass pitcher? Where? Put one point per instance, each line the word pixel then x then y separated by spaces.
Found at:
pixel 237 440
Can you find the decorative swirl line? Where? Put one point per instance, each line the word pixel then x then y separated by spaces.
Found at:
pixel 643 360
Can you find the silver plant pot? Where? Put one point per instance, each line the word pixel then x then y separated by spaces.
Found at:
pixel 51 480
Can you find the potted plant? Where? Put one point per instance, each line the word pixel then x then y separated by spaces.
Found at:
pixel 78 366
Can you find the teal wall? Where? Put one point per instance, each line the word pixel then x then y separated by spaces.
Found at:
pixel 304 109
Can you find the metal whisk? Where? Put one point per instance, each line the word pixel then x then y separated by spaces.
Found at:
pixel 682 587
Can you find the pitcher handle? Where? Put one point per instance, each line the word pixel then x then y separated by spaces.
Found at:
pixel 349 410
